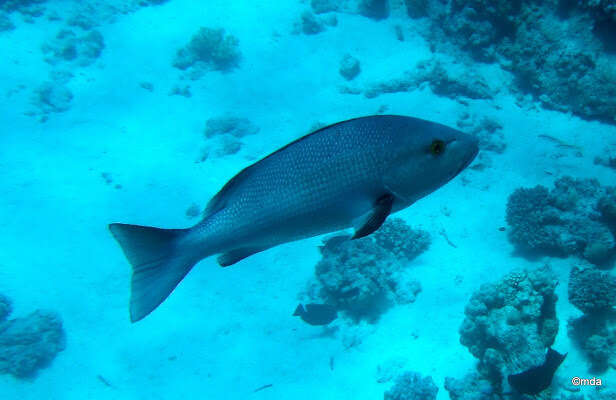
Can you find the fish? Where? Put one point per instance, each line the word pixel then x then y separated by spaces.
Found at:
pixel 316 314
pixel 350 174
pixel 536 379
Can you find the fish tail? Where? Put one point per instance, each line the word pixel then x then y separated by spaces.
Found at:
pixel 157 265
pixel 553 358
pixel 299 310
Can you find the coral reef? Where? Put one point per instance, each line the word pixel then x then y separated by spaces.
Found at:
pixel 28 8
pixel 590 290
pixel 85 14
pixel 455 84
pixel 324 6
pixel 362 277
pixel 310 24
pixel 568 220
pixel 229 125
pixel 595 335
pixel 5 307
pixel 53 97
pixel 609 160
pixel 461 83
pixel 28 344
pixel 224 134
pixel 412 386
pixel 375 9
pixel 594 293
pixel 487 130
pixel 210 47
pixel 5 22
pixel 471 387
pixel 417 8
pixel 607 207
pixel 510 323
pixel 401 240
pixel 349 67
pixel 565 78
pixel 69 47
pixel 405 83
pixel 533 40
pixel 389 370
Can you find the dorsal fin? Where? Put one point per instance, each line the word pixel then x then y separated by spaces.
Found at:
pixel 219 200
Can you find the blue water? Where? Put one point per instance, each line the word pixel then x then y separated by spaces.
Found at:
pixel 97 132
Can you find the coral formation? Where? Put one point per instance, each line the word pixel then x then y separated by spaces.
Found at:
pixel 25 7
pixel 69 47
pixel 363 276
pixel 28 344
pixel 509 324
pixel 595 335
pixel 533 40
pixel 324 6
pixel 85 14
pixel 455 84
pixel 211 47
pixel 417 8
pixel 401 240
pixel 594 293
pixel 53 97
pixel 412 386
pixel 471 387
pixel 608 160
pixel 5 307
pixel 229 125
pixel 5 22
pixel 349 67
pixel 311 24
pixel 224 134
pixel 568 220
pixel 375 9
pixel 591 290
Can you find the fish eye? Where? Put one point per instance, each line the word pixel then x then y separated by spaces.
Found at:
pixel 437 147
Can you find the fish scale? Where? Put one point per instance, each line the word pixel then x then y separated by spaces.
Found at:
pixel 315 174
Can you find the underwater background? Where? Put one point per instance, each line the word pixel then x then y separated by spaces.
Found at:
pixel 140 111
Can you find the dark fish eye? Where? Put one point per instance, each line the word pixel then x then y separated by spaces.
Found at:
pixel 437 147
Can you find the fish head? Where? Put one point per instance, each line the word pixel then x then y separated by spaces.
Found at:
pixel 424 157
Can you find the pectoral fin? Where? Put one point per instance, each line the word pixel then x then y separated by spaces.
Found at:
pixel 374 219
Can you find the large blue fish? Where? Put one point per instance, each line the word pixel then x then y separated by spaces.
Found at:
pixel 350 174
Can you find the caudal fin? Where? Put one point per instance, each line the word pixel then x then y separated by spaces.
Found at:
pixel 299 310
pixel 157 266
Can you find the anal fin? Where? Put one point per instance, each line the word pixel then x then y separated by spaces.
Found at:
pixel 374 220
pixel 233 256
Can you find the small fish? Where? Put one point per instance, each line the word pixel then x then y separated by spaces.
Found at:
pixel 350 174
pixel 316 314
pixel 269 385
pixel 536 379
pixel 104 381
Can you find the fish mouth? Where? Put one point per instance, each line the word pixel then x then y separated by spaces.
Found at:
pixel 468 161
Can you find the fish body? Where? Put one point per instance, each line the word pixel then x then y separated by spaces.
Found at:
pixel 350 174
pixel 536 379
pixel 316 314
